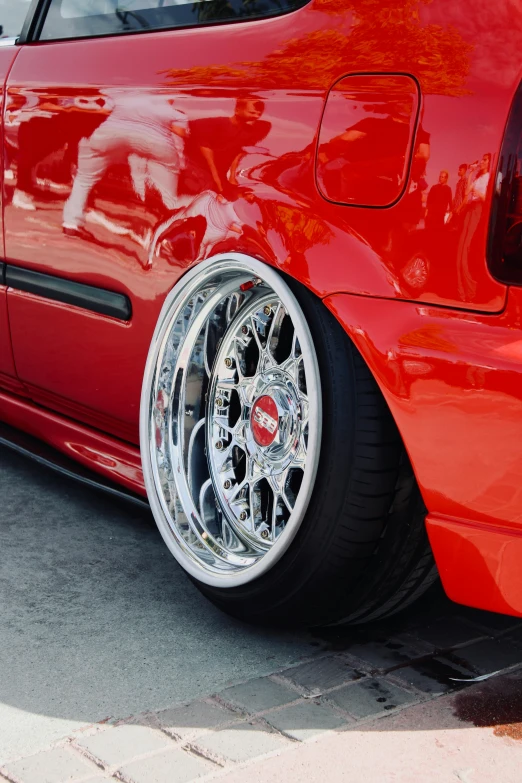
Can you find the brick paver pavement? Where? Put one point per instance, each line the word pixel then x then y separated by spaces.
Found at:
pixel 367 698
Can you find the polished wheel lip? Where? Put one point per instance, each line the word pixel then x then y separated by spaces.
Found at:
pixel 180 294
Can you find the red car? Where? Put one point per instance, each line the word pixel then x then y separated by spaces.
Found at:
pixel 276 245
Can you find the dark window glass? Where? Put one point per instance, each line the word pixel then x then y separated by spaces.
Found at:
pixel 12 16
pixel 84 18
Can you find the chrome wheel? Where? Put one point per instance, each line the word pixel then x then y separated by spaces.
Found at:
pixel 230 420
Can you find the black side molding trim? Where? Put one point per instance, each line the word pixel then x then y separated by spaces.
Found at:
pixel 2 273
pixel 99 300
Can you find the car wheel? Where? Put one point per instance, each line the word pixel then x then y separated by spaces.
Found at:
pixel 273 467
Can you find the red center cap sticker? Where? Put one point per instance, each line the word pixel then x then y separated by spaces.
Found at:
pixel 265 420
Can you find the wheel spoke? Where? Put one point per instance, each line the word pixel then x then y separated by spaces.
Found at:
pixel 253 326
pixel 251 504
pixel 236 490
pixel 222 423
pixel 276 482
pixel 274 518
pixel 244 389
pixel 239 433
pixel 300 457
pixel 287 502
pixel 236 359
pixel 273 325
pixel 296 348
pixel 290 368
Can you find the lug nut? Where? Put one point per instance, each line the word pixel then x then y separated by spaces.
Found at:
pixel 264 533
pixel 243 516
pixel 267 309
pixel 245 329
pixel 227 484
pixel 219 402
pixel 219 445
pixel 229 362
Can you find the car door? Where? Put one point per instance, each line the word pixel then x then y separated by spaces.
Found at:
pixel 12 15
pixel 97 126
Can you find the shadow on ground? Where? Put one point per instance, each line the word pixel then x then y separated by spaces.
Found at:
pixel 99 622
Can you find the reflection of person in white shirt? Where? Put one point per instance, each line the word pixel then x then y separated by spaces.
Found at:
pixel 221 219
pixel 474 199
pixel 477 187
pixel 149 133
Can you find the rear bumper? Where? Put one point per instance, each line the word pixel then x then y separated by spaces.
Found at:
pixel 480 565
pixel 453 382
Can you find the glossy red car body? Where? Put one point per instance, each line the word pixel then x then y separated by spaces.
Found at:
pixel 442 337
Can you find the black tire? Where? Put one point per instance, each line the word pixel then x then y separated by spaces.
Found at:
pixel 362 551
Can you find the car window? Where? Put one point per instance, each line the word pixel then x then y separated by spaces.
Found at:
pixel 12 16
pixel 83 18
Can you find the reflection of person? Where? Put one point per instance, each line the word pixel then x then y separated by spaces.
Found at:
pixel 460 189
pixel 216 145
pixel 220 217
pixel 46 127
pixel 438 203
pixel 477 186
pixel 371 153
pixel 476 191
pixel 149 134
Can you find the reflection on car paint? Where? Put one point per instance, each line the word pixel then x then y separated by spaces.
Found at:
pixel 147 135
pixel 364 160
pixel 169 155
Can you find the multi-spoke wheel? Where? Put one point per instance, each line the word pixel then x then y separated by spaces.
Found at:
pixel 232 429
pixel 233 421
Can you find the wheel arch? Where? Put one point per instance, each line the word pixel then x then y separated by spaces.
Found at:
pixel 309 240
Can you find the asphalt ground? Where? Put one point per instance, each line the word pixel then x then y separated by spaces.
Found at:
pixel 98 623
pixel 97 619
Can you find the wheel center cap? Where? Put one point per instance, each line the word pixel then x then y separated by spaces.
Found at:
pixel 264 420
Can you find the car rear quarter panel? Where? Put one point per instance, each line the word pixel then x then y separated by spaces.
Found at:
pixel 453 382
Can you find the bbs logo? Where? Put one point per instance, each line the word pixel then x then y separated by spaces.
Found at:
pixel 264 420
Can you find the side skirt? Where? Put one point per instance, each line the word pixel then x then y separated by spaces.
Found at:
pixel 119 463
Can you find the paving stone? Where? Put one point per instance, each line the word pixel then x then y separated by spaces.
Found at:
pixel 195 718
pixel 446 632
pixel 387 654
pixel 59 765
pixel 242 742
pixel 172 766
pixel 98 777
pixel 305 720
pixel 370 697
pixel 123 743
pixel 434 675
pixel 260 694
pixel 317 676
pixel 487 656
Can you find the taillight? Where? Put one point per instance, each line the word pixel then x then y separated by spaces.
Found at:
pixel 505 230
